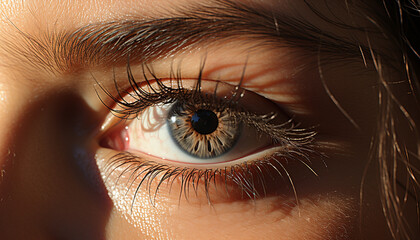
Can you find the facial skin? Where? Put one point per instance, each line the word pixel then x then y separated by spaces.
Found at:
pixel 55 180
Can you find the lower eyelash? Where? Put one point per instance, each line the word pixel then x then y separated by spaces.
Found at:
pixel 249 177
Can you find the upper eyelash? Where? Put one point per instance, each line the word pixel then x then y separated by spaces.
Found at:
pixel 286 132
pixel 298 140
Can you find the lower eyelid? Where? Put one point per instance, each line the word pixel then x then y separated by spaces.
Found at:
pixel 257 155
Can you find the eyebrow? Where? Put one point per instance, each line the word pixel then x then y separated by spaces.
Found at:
pixel 116 42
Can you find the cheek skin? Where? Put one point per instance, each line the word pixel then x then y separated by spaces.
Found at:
pixel 321 219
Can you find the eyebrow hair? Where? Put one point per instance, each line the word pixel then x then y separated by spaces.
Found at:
pixel 117 42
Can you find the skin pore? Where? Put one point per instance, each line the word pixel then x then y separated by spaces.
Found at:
pixel 57 180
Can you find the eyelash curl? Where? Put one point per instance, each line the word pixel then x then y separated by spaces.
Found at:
pixel 249 177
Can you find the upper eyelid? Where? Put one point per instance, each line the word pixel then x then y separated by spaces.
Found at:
pixel 112 43
pixel 272 80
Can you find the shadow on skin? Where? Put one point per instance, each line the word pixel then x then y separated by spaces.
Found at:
pixel 50 186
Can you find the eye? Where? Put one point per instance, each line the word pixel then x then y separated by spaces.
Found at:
pixel 200 131
pixel 198 128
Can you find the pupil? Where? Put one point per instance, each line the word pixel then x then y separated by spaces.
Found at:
pixel 204 121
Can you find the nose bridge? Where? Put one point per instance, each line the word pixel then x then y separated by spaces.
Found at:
pixel 51 185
